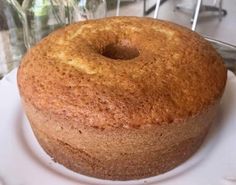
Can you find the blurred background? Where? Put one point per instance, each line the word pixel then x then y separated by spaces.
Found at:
pixel 208 21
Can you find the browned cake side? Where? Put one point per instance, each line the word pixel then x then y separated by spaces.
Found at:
pixel 121 98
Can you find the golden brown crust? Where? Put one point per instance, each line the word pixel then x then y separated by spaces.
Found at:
pixel 120 153
pixel 121 98
pixel 176 75
pixel 127 167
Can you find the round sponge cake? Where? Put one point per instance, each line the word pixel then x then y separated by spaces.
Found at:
pixel 123 97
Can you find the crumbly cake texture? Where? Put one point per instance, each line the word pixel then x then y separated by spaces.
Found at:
pixel 123 97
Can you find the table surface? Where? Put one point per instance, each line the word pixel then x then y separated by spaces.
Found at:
pixel 227 51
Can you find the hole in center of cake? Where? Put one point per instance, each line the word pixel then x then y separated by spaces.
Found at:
pixel 123 50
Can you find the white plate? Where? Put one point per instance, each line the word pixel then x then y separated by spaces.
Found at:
pixel 23 161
